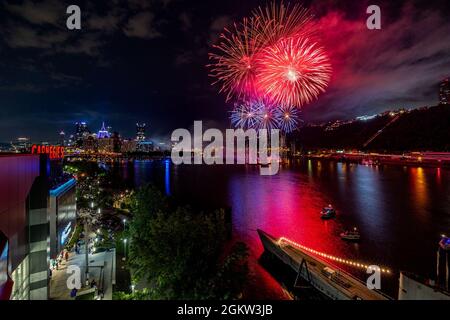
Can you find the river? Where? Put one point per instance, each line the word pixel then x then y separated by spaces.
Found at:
pixel 400 211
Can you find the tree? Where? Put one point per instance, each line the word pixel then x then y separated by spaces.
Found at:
pixel 178 253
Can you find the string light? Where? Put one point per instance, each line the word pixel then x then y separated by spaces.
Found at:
pixel 329 256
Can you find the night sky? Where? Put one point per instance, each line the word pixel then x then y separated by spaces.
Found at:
pixel 145 61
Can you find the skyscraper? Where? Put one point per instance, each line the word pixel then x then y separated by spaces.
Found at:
pixel 444 92
pixel 81 132
pixel 103 133
pixel 117 142
pixel 62 138
pixel 140 131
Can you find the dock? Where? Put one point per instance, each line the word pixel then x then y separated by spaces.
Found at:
pixel 328 279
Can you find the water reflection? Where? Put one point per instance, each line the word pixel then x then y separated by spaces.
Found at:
pixel 419 190
pixel 395 208
pixel 167 176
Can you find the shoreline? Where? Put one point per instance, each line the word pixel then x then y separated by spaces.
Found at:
pixel 429 160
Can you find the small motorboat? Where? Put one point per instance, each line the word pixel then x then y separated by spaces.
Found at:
pixel 445 243
pixel 351 235
pixel 328 212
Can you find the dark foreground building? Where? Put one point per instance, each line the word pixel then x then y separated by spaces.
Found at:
pixel 37 216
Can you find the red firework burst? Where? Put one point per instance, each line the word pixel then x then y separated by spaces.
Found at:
pixel 234 65
pixel 294 71
pixel 277 21
pixel 271 55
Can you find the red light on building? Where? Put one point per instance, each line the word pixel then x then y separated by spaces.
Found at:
pixel 54 152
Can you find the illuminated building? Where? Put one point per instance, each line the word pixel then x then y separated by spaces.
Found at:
pixel 20 214
pixel 21 145
pixel 105 145
pixel 90 144
pixel 140 131
pixel 128 146
pixel 62 213
pixel 71 140
pixel 117 142
pixel 444 92
pixel 81 132
pixel 145 146
pixel 62 138
pixel 142 144
pixel 116 145
pixel 37 216
pixel 103 133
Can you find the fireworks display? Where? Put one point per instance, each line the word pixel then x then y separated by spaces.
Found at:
pixel 294 71
pixel 246 115
pixel 288 118
pixel 270 63
pixel 261 115
pixel 234 66
pixel 268 117
pixel 276 22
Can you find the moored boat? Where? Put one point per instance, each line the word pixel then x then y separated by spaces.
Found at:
pixel 328 212
pixel 445 243
pixel 351 235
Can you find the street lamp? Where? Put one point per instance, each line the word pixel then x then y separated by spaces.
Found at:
pixel 125 248
pixel 124 222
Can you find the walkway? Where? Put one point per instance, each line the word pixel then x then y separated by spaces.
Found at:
pixel 103 262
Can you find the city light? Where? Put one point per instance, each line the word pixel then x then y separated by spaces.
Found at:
pixel 331 257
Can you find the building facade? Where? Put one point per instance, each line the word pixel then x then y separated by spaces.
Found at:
pixel 81 132
pixel 140 131
pixel 62 215
pixel 37 203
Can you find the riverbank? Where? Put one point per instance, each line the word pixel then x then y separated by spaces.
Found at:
pixel 414 159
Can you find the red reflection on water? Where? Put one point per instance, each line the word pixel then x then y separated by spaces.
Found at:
pixel 282 207
pixel 438 176
pixel 419 189
pixel 289 205
pixel 388 204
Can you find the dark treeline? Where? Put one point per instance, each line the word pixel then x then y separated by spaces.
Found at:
pixel 426 129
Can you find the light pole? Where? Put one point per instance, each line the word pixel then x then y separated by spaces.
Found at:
pixel 86 215
pixel 86 247
pixel 124 223
pixel 125 248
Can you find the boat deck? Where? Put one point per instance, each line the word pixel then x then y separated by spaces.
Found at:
pixel 330 280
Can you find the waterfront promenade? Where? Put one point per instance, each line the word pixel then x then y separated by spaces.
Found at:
pixel 101 268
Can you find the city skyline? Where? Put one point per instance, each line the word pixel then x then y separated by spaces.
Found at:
pixel 145 61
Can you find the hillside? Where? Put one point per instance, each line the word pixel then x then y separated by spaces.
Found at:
pixel 425 129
